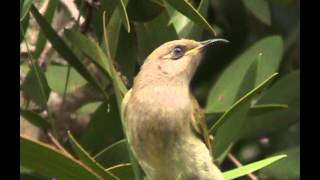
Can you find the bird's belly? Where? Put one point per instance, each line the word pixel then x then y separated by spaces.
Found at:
pixel 164 145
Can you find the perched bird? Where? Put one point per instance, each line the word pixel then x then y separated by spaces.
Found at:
pixel 164 123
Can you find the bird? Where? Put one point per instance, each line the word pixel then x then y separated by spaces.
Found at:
pixel 164 124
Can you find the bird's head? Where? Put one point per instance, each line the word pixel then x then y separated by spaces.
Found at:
pixel 175 60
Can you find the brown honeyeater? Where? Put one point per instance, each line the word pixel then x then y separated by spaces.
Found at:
pixel 164 123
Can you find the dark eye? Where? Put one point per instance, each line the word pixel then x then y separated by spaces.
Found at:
pixel 178 52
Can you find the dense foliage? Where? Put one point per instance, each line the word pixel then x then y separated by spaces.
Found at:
pixel 78 59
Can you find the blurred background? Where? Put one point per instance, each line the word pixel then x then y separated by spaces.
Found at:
pixel 71 53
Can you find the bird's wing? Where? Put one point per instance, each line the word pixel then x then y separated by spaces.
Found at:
pixel 199 123
pixel 124 103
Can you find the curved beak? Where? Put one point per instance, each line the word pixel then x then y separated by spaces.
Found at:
pixel 211 41
pixel 204 44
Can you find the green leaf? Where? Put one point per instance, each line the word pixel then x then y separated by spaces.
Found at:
pixel 124 14
pixel 88 160
pixel 35 87
pixel 56 76
pixel 260 9
pixel 24 26
pixel 41 39
pixel 63 49
pixel 89 48
pixel 288 168
pixel 284 91
pixel 123 171
pixel 234 118
pixel 127 61
pixel 187 28
pixel 104 127
pixel 241 171
pixel 49 162
pixel 114 154
pixel 224 94
pixel 24 8
pixel 35 119
pixel 188 10
pixel 149 37
pixel 119 86
pixel 143 11
pixel 111 33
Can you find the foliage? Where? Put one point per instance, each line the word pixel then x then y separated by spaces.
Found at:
pixel 249 88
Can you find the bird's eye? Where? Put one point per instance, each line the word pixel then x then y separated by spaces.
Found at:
pixel 178 52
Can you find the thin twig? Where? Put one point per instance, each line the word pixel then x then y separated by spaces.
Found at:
pixel 238 164
pixel 58 145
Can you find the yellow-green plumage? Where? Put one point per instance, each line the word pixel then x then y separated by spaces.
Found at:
pixel 164 123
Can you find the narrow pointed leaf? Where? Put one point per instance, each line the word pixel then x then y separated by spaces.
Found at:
pixel 49 162
pixel 223 94
pixel 114 154
pixel 63 49
pixel 35 119
pixel 24 8
pixel 35 87
pixel 88 160
pixel 188 10
pixel 124 14
pixel 241 171
pixel 41 39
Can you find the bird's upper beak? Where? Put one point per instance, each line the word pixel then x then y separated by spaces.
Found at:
pixel 204 44
pixel 210 41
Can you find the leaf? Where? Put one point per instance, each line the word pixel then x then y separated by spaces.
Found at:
pixel 224 94
pixel 88 160
pixel 187 28
pixel 107 7
pixel 35 87
pixel 104 127
pixel 41 39
pixel 260 9
pixel 127 61
pixel 63 49
pixel 143 11
pixel 52 163
pixel 119 86
pixel 149 37
pixel 111 33
pixel 35 119
pixel 24 8
pixel 94 51
pixel 123 171
pixel 284 91
pixel 241 171
pixel 114 154
pixel 233 119
pixel 288 168
pixel 188 10
pixel 23 27
pixel 124 14
pixel 56 76
pixel 89 48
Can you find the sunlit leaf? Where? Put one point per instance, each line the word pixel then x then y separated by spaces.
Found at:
pixel 188 10
pixel 225 90
pixel 49 162
pixel 246 169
